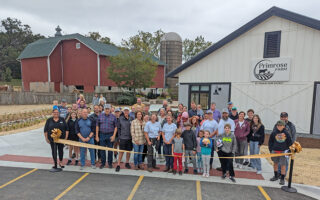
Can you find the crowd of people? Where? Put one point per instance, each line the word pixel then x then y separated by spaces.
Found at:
pixel 178 138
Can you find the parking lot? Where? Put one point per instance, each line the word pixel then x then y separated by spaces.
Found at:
pixel 20 183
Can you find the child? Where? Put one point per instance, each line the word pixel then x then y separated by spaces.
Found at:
pixel 206 147
pixel 190 143
pixel 279 142
pixel 177 151
pixel 55 105
pixel 226 146
pixel 199 155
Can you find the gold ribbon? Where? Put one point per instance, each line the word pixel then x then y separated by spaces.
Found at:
pixel 92 146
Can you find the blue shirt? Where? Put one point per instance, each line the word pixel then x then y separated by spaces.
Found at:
pixel 63 111
pixel 152 129
pixel 209 125
pixel 106 123
pixel 85 127
pixel 169 130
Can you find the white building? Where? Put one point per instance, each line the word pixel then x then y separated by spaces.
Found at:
pixel 271 64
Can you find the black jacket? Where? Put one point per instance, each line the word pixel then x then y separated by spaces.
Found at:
pixel 279 140
pixel 189 140
pixel 256 135
pixel 290 127
pixel 124 131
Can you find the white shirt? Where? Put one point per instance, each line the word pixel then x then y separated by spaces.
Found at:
pixel 222 123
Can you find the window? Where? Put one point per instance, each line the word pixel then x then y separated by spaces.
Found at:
pixel 79 87
pixel 109 87
pixel 78 45
pixel 200 95
pixel 272 44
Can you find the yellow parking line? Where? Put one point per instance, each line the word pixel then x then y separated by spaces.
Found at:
pixel 263 192
pixel 199 196
pixel 71 186
pixel 14 180
pixel 135 188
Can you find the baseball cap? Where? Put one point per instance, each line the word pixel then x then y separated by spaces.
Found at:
pixel 284 114
pixel 230 103
pixel 225 110
pixel 117 110
pixel 234 108
pixel 281 123
pixel 209 112
pixel 125 108
pixel 107 106
pixel 63 100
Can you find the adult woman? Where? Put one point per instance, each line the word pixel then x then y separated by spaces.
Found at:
pixel 71 122
pixel 256 139
pixel 145 148
pixel 56 122
pixel 161 120
pixel 194 125
pixel 138 139
pixel 167 132
pixel 242 129
pixel 81 98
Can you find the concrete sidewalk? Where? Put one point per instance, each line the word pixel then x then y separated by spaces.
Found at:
pixel 31 144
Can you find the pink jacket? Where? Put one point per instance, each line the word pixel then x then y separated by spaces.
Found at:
pixel 241 132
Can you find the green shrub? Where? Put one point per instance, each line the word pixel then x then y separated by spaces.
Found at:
pixel 126 98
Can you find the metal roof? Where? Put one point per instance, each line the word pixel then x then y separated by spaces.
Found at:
pixel 44 47
pixel 274 11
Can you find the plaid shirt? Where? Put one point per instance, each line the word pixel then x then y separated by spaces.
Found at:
pixel 137 132
pixel 106 123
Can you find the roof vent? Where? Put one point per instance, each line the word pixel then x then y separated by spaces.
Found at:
pixel 58 33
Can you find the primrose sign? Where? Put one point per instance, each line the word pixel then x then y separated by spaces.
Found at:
pixel 270 69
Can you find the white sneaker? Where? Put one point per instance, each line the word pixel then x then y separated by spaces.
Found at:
pixel 93 167
pixel 259 172
pixel 240 166
pixel 204 174
pixel 207 175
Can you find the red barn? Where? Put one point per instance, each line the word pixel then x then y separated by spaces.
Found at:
pixel 63 63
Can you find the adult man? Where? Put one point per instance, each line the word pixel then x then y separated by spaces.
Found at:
pixel 132 113
pixel 215 112
pixel 146 110
pixel 152 133
pixel 63 109
pixel 94 117
pixel 211 125
pixel 164 105
pixel 234 114
pixel 117 113
pixel 74 107
pixel 125 138
pixel 106 129
pixel 139 103
pixel 225 120
pixel 95 99
pixel 291 129
pixel 193 111
pixel 250 114
pixel 85 128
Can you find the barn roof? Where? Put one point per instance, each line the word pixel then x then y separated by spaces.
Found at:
pixel 273 11
pixel 44 47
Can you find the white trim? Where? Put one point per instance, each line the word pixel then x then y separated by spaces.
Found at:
pixel 98 63
pixel 21 76
pixel 48 65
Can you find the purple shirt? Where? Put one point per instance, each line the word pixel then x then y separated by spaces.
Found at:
pixel 106 123
pixel 216 115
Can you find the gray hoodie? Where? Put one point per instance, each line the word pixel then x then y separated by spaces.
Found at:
pixel 229 143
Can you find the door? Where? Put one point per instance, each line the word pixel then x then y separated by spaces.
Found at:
pixel 315 117
pixel 220 94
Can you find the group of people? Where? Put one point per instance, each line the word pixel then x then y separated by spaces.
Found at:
pixel 190 136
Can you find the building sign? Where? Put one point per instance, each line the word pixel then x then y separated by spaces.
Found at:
pixel 270 69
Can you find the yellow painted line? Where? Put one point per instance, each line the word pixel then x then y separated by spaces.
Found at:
pixel 263 192
pixel 199 195
pixel 20 177
pixel 135 188
pixel 71 186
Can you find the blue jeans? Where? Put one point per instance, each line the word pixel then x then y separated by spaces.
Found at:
pixel 254 149
pixel 105 141
pixel 199 161
pixel 83 153
pixel 167 150
pixel 137 156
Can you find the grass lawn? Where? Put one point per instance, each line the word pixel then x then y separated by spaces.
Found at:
pixel 13 82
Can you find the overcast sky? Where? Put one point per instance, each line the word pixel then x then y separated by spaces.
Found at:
pixel 118 19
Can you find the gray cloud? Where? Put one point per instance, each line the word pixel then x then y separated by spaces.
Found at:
pixel 119 19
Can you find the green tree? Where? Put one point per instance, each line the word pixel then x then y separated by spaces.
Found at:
pixel 96 36
pixel 14 37
pixel 191 48
pixel 132 69
pixel 145 42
